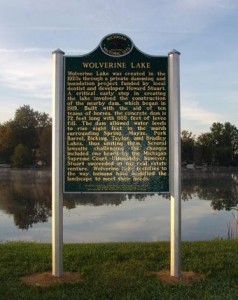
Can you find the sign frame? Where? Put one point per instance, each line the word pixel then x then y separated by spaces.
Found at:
pixel 174 161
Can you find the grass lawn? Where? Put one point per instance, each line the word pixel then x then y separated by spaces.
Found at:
pixel 121 271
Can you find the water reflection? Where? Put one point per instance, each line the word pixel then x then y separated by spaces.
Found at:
pixel 217 188
pixel 72 200
pixel 26 195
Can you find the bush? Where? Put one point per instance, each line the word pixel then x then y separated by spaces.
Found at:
pixel 22 156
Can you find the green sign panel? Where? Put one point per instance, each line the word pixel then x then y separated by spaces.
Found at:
pixel 116 120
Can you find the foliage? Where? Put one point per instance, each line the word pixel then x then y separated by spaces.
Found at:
pixel 217 147
pixel 203 149
pixel 26 128
pixel 187 146
pixel 22 156
pixel 225 142
pixel 122 271
pixel 45 144
pixel 7 141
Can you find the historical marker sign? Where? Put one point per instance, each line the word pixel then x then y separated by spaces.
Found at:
pixel 116 120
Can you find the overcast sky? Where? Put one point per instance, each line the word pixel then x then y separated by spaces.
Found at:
pixel 204 31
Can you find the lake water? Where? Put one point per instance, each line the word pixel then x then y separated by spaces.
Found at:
pixel 209 208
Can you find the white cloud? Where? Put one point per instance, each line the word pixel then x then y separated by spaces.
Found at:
pixel 15 51
pixel 28 73
pixel 149 16
pixel 8 106
pixel 192 110
pixel 211 6
pixel 25 78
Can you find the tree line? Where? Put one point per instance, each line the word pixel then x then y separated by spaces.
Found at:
pixel 218 147
pixel 26 140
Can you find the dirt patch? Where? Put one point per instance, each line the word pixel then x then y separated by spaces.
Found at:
pixel 186 277
pixel 47 279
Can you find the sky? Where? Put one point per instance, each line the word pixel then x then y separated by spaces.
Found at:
pixel 205 32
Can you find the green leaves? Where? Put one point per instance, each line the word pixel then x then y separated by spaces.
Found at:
pixel 30 129
pixel 217 147
pixel 22 156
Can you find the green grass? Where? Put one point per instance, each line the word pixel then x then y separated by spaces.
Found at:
pixel 121 271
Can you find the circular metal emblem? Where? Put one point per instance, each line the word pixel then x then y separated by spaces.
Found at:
pixel 116 45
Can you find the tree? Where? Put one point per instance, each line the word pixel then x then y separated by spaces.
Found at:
pixel 204 149
pixel 29 124
pixel 26 124
pixel 187 146
pixel 7 142
pixel 225 140
pixel 26 128
pixel 43 120
pixel 219 146
pixel 45 142
pixel 22 156
pixel 231 136
pixel 25 117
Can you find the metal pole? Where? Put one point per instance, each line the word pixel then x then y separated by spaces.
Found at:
pixel 175 163
pixel 57 168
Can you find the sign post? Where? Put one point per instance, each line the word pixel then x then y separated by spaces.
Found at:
pixel 57 161
pixel 175 164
